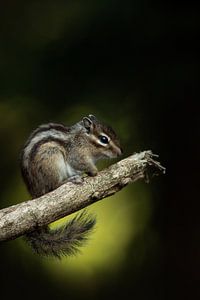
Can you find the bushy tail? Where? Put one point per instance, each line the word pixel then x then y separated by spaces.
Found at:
pixel 64 240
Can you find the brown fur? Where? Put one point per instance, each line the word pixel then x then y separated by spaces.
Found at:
pixel 53 154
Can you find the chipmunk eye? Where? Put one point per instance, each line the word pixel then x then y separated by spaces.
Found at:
pixel 103 139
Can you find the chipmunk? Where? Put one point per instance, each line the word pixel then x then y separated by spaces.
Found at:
pixel 54 154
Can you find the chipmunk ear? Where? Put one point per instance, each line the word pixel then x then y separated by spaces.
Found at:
pixel 92 117
pixel 88 124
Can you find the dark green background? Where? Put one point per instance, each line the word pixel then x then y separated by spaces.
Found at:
pixel 133 64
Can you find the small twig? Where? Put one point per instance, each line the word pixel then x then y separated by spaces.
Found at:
pixel 19 219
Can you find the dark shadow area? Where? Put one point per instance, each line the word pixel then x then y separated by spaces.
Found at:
pixel 134 65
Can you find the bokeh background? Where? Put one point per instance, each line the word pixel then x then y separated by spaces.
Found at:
pixel 134 65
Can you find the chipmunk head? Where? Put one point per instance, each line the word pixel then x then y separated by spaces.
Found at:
pixel 102 136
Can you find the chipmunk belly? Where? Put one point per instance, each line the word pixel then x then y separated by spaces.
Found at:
pixel 66 171
pixel 61 166
pixel 71 171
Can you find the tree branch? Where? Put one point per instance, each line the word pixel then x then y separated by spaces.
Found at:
pixel 19 219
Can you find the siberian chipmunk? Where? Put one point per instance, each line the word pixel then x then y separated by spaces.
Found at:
pixel 54 154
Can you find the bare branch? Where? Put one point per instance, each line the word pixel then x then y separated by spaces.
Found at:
pixel 19 219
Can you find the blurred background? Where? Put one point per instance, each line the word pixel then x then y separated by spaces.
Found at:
pixel 133 64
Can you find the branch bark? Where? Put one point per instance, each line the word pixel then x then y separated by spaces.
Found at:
pixel 22 218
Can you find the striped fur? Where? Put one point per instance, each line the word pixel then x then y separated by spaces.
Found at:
pixel 53 154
